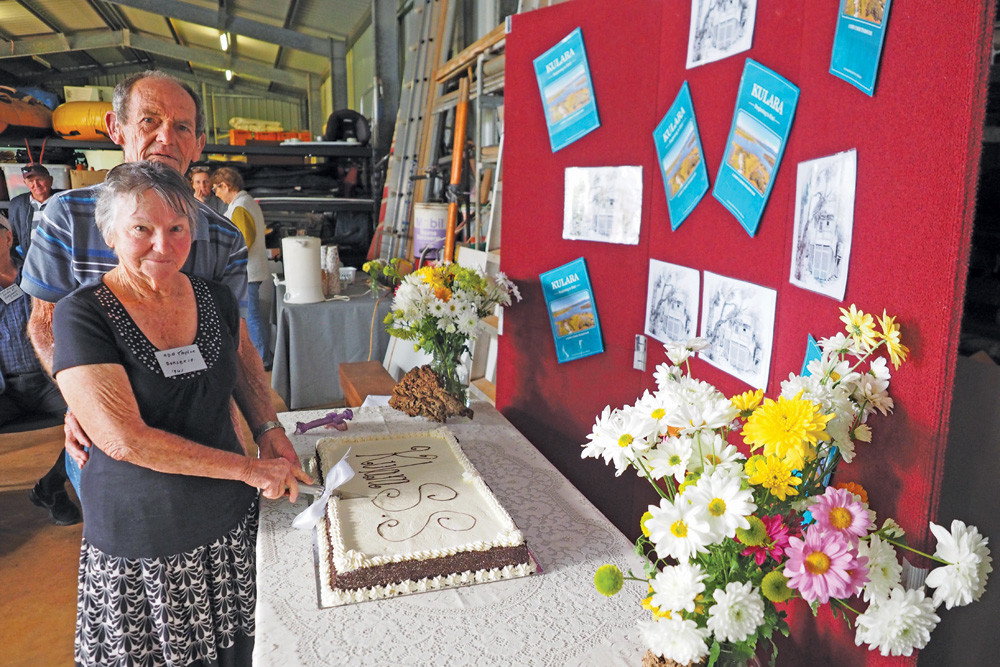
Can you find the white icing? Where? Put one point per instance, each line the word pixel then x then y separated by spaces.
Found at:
pixel 367 529
pixel 351 535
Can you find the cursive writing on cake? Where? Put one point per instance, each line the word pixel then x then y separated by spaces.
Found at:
pixel 386 469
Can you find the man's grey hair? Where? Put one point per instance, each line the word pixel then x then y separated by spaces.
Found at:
pixel 126 182
pixel 123 96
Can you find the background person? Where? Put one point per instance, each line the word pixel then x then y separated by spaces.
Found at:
pixel 25 212
pixel 147 360
pixel 245 213
pixel 24 208
pixel 201 181
pixel 158 118
pixel 25 388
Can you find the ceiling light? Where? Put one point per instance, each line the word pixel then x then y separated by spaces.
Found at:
pixel 224 41
pixel 229 75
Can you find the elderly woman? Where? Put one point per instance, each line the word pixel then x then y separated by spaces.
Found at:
pixel 146 359
pixel 245 213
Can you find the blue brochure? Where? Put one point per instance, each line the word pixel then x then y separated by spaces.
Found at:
pixel 567 91
pixel 569 301
pixel 857 44
pixel 813 351
pixel 765 107
pixel 682 161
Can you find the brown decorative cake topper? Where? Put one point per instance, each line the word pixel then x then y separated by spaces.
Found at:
pixel 421 392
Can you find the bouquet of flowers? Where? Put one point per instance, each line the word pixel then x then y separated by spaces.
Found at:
pixel 440 309
pixel 733 536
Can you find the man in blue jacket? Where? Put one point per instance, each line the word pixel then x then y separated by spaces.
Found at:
pixel 24 210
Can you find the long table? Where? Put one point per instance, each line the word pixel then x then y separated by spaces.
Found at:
pixel 313 338
pixel 553 618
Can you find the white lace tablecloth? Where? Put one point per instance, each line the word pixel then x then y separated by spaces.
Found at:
pixel 553 618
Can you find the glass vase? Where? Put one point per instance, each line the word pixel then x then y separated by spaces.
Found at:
pixel 448 361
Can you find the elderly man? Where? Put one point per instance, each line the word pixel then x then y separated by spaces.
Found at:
pixel 24 208
pixel 158 118
pixel 201 181
pixel 25 388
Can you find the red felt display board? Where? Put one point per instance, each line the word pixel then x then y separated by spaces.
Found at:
pixel 918 143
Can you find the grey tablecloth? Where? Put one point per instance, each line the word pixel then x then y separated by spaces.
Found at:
pixel 313 338
pixel 553 618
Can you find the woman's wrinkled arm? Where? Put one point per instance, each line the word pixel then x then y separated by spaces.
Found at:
pixel 101 398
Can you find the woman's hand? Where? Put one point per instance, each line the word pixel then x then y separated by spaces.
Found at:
pixel 76 439
pixel 274 476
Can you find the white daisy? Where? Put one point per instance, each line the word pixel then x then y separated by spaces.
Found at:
pixel 437 308
pixel 679 352
pixel 838 344
pixel 873 389
pixel 619 436
pixel 665 375
pixel 670 458
pixel 964 579
pixel 737 613
pixel 692 405
pixel 722 502
pixel 897 624
pixel 713 452
pixel 677 529
pixel 675 587
pixel 652 404
pixel 675 638
pixel 883 567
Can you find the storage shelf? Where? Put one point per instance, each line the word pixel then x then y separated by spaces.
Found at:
pixel 302 148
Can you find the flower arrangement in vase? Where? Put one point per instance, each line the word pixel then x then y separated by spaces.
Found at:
pixel 440 308
pixel 732 537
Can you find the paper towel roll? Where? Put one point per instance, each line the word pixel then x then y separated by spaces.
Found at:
pixel 303 280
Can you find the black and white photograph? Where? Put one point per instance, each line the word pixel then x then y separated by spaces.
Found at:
pixel 824 223
pixel 672 302
pixel 719 29
pixel 738 323
pixel 603 204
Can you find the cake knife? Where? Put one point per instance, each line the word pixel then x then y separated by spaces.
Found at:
pixel 339 474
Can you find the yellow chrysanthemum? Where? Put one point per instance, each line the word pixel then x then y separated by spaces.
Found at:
pixel 890 334
pixel 860 326
pixel 748 401
pixel 642 523
pixel 647 603
pixel 787 428
pixel 774 474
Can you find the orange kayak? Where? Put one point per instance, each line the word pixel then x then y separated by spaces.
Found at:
pixel 81 120
pixel 24 117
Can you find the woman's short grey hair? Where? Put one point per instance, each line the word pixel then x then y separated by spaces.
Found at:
pixel 126 182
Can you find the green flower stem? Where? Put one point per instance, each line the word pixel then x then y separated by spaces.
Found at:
pixel 649 477
pixel 846 606
pixel 896 543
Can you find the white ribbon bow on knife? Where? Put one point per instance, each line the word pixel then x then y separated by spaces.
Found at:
pixel 339 474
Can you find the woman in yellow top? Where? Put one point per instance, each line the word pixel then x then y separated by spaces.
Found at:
pixel 245 213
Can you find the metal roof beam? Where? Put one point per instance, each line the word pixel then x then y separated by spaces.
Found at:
pixel 98 39
pixel 223 20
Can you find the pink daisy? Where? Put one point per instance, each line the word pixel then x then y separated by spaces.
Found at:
pixel 858 575
pixel 820 566
pixel 775 544
pixel 839 511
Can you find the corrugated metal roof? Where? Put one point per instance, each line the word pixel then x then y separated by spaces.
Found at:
pixel 56 42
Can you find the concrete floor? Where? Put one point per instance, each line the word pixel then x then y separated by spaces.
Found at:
pixel 38 560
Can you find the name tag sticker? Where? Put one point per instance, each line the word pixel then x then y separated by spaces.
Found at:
pixel 180 360
pixel 12 293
